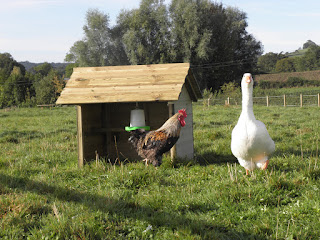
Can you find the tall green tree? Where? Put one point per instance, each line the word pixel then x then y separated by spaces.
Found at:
pixel 214 40
pixel 312 58
pixel 285 65
pixel 13 82
pixel 7 63
pixel 69 69
pixel 206 34
pixel 191 32
pixel 267 62
pixel 146 33
pixel 48 88
pixel 117 50
pixel 93 50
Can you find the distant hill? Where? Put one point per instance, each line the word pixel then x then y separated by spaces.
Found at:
pixel 28 65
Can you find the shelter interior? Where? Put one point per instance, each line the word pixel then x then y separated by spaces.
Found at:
pixel 102 131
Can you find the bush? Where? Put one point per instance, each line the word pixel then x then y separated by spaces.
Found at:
pixel 291 82
pixel 295 82
pixel 270 84
pixel 264 84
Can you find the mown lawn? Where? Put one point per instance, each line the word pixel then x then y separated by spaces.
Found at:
pixel 43 194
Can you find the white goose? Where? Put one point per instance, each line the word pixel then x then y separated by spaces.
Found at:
pixel 251 143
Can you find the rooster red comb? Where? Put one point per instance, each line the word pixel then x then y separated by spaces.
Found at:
pixel 183 112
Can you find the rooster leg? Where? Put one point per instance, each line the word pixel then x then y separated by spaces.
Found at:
pixel 146 161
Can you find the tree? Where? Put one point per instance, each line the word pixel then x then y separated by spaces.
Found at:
pixel 7 63
pixel 14 89
pixel 214 40
pixel 309 61
pixel 267 62
pixel 117 52
pixel 93 50
pixel 312 58
pixel 146 34
pixel 191 32
pixel 42 69
pixel 308 44
pixel 285 65
pixel 48 88
pixel 69 69
pixel 13 83
pixel 78 54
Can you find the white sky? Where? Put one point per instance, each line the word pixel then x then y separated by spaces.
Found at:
pixel 44 30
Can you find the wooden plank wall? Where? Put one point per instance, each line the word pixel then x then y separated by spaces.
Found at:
pixel 185 146
pixel 89 141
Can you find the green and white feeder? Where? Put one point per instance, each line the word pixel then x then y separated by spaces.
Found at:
pixel 137 120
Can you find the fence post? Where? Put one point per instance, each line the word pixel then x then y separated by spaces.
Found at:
pixel 284 100
pixel 228 100
pixel 267 101
pixel 301 100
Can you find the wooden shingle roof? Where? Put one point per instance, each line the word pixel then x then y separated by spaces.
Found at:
pixel 132 83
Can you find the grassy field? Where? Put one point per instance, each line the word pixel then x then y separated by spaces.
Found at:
pixel 43 194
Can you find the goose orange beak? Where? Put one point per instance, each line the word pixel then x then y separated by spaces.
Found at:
pixel 248 79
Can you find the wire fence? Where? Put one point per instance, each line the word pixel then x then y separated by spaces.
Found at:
pixel 282 100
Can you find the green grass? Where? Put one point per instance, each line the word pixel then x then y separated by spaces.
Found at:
pixel 43 194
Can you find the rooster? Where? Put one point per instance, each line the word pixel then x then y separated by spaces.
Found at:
pixel 151 145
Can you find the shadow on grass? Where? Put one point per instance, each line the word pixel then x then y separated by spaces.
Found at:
pixel 14 136
pixel 126 209
pixel 208 158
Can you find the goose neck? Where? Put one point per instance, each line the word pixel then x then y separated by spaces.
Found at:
pixel 247 102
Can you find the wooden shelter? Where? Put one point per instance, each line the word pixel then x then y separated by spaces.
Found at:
pixel 105 96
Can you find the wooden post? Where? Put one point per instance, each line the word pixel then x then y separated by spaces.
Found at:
pixel 318 99
pixel 301 100
pixel 228 99
pixel 284 100
pixel 173 150
pixel 80 136
pixel 267 101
